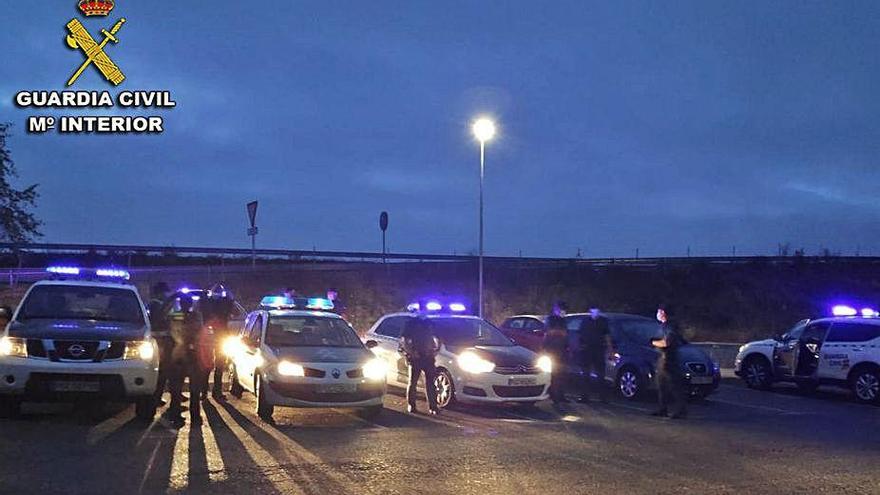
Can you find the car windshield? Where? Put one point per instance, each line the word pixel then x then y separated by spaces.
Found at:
pixel 310 331
pixel 71 302
pixel 467 332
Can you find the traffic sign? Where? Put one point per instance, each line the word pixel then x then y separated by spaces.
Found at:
pixel 252 212
pixel 383 221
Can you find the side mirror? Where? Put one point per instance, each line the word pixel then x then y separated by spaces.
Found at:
pixel 371 344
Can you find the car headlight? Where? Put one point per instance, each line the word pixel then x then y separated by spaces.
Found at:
pixel 139 350
pixel 286 368
pixel 545 364
pixel 233 346
pixel 375 369
pixel 13 347
pixel 471 363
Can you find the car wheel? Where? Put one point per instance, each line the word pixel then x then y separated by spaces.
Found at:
pixel 9 407
pixel 371 412
pixel 264 409
pixel 865 384
pixel 445 389
pixel 235 388
pixel 629 383
pixel 757 373
pixel 145 409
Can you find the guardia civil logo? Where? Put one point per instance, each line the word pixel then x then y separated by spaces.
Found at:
pixel 94 52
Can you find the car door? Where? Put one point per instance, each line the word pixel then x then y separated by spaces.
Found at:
pixel 847 344
pixel 250 358
pixel 387 336
pixel 800 357
pixel 532 334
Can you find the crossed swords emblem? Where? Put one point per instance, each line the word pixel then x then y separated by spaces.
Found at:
pixel 80 38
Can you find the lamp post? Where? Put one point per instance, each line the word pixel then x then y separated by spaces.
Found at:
pixel 484 131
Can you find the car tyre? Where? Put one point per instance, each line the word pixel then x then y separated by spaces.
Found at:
pixel 445 389
pixel 145 409
pixel 235 388
pixel 10 407
pixel 630 383
pixel 757 373
pixel 865 384
pixel 265 410
pixel 371 412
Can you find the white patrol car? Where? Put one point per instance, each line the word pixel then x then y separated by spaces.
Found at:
pixel 295 352
pixel 842 350
pixel 83 335
pixel 476 364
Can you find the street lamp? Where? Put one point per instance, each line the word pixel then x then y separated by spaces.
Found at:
pixel 484 130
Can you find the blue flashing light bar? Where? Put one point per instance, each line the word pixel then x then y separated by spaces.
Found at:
pixel 282 302
pixel 844 310
pixel 85 272
pixel 869 313
pixel 320 303
pixel 434 306
pixel 113 273
pixel 63 270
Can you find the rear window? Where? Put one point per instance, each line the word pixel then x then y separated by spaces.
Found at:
pixel 70 302
pixel 853 332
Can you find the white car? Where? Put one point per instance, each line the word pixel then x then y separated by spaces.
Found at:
pixel 476 363
pixel 841 350
pixel 297 353
pixel 83 335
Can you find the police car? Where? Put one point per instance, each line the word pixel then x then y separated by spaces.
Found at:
pixel 840 350
pixel 80 335
pixel 476 364
pixel 295 352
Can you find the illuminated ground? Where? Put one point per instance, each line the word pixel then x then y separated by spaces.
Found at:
pixel 740 441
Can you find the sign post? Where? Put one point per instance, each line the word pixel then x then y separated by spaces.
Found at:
pixel 253 230
pixel 383 224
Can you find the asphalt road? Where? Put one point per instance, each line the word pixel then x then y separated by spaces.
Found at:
pixel 738 441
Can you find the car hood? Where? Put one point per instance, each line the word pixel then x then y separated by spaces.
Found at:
pixel 763 343
pixel 323 354
pixel 76 330
pixel 503 356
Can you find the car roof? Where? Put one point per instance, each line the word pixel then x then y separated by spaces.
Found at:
pixel 537 317
pixel 433 316
pixel 301 312
pixel 88 283
pixel 848 319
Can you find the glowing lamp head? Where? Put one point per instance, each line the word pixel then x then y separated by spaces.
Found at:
pixel 113 273
pixel 869 312
pixel 286 368
pixel 433 306
pixel 457 307
pixel 484 129
pixel 843 310
pixel 63 270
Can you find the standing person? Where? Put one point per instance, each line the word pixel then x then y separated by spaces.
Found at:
pixel 594 342
pixel 187 347
pixel 420 347
pixel 160 329
pixel 672 398
pixel 555 344
pixel 289 292
pixel 217 311
pixel 338 306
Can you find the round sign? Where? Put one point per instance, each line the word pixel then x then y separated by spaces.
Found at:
pixel 383 221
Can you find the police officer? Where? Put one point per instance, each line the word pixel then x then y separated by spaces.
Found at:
pixel 555 344
pixel 672 396
pixel 338 306
pixel 594 342
pixel 217 312
pixel 160 329
pixel 187 332
pixel 420 347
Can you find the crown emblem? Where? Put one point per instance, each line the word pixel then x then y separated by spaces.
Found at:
pixel 96 7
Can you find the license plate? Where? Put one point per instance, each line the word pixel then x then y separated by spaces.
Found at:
pixel 337 388
pixel 701 380
pixel 521 382
pixel 75 386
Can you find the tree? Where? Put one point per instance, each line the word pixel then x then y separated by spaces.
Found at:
pixel 17 223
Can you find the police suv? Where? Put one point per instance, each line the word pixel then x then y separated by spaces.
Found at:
pixel 841 350
pixel 81 335
pixel 295 352
pixel 476 364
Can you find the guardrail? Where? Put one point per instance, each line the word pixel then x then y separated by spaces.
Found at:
pixel 723 353
pixel 122 249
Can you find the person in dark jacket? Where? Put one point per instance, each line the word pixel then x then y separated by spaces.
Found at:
pixel 217 311
pixel 338 306
pixel 594 343
pixel 555 345
pixel 420 347
pixel 160 329
pixel 188 333
pixel 671 390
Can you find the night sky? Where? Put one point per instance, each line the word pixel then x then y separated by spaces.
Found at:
pixel 622 125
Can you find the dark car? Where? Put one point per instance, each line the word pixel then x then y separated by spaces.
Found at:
pixel 632 367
